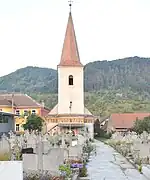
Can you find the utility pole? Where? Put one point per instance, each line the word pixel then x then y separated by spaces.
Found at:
pixel 70 114
pixel 12 103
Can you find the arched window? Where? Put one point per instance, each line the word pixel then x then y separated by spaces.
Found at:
pixel 70 80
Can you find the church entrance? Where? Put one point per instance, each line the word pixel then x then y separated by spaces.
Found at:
pixel 73 130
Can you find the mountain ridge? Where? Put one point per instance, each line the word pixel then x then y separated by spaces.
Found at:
pixel 121 59
pixel 126 73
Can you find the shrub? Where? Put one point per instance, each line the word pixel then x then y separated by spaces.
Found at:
pixel 88 148
pixel 65 169
pixel 140 168
pixel 37 176
pixel 142 125
pixel 107 135
pixel 102 134
pixel 34 122
pixel 83 171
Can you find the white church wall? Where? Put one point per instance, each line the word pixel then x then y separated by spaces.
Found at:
pixel 50 126
pixel 54 110
pixel 70 93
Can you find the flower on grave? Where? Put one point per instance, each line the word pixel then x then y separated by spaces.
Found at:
pixel 63 173
pixel 76 165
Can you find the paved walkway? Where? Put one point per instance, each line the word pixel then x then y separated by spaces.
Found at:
pixel 110 165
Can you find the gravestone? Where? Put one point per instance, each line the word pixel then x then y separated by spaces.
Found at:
pixel 40 155
pixel 5 146
pixel 63 141
pixel 16 151
pixel 31 141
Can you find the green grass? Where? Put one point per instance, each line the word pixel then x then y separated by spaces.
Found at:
pixel 102 139
pixel 5 157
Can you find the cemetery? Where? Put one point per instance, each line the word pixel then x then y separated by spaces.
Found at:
pixel 43 156
pixel 65 156
pixel 136 148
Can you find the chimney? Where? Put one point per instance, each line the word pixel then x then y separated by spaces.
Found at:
pixel 43 104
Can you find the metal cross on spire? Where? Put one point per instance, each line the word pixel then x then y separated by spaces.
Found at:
pixel 70 4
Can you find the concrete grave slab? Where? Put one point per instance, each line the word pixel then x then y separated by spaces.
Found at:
pixel 11 170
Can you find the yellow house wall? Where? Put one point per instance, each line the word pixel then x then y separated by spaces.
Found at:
pixel 22 120
pixel 38 110
pixel 9 109
pixel 6 109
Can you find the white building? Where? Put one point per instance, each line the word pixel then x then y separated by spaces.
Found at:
pixel 70 112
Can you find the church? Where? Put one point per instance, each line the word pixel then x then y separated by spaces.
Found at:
pixel 70 114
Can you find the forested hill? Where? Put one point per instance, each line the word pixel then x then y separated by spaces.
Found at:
pixel 133 72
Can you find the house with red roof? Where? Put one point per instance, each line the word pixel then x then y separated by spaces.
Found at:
pixel 20 105
pixel 124 121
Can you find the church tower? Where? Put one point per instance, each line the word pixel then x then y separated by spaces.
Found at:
pixel 70 75
pixel 70 112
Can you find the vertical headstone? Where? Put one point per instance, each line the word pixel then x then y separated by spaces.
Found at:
pixel 40 155
pixel 4 144
pixel 63 141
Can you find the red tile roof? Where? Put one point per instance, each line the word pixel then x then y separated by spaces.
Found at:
pixel 20 100
pixel 126 120
pixel 70 53
pixel 5 102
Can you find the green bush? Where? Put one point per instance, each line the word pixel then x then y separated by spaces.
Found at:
pixel 83 171
pixel 66 169
pixel 102 134
pixel 107 135
pixel 88 148
pixel 34 122
pixel 140 168
pixel 142 125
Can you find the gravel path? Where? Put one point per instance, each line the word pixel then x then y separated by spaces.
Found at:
pixel 110 165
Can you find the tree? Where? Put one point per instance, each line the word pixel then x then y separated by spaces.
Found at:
pixel 142 125
pixel 97 126
pixel 34 122
pixel 97 130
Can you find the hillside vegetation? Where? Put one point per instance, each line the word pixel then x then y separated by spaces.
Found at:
pixel 30 79
pixel 103 103
pixel 111 86
pixel 133 72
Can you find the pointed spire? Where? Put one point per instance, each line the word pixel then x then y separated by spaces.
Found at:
pixel 70 54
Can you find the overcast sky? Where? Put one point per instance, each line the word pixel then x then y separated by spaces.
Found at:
pixel 32 31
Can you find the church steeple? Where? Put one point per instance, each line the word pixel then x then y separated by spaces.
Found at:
pixel 70 4
pixel 70 54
